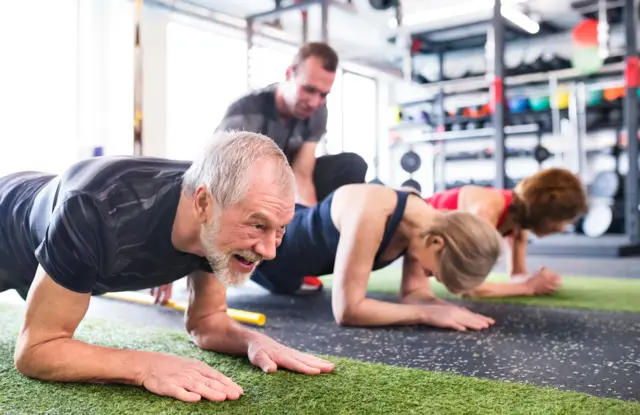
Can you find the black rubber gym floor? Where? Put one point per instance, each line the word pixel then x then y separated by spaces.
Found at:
pixel 579 350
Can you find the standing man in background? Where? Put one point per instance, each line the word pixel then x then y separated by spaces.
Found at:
pixel 294 114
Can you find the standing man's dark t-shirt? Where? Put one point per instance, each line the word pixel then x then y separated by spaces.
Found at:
pixel 103 225
pixel 257 112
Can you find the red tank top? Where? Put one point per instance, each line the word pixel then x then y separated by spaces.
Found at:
pixel 448 200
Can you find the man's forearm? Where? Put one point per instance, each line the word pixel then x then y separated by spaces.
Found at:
pixel 370 312
pixel 222 334
pixel 306 189
pixel 69 360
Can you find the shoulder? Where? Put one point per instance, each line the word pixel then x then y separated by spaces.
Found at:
pixel 122 186
pixel 474 194
pixel 363 200
pixel 483 201
pixel 253 102
pixel 78 209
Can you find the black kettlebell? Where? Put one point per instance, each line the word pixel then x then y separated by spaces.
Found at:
pixel 382 4
pixel 412 183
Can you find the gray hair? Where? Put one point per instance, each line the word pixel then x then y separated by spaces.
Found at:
pixel 225 164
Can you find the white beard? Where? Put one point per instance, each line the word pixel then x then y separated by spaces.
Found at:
pixel 219 261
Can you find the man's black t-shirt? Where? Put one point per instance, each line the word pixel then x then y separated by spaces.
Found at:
pixel 103 225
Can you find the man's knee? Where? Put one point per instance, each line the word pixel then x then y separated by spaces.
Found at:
pixel 281 286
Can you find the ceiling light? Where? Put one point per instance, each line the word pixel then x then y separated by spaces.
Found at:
pixel 516 17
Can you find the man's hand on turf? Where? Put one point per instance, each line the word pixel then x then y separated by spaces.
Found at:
pixel 186 379
pixel 268 355
pixel 456 318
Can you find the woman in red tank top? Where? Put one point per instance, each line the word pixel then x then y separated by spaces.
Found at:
pixel 542 204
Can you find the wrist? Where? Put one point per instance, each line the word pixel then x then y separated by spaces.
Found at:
pixel 137 365
pixel 524 281
pixel 519 277
pixel 416 296
pixel 424 313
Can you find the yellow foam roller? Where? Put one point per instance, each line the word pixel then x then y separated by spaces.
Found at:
pixel 249 317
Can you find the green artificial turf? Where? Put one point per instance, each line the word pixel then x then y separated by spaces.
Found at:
pixel 612 294
pixel 355 387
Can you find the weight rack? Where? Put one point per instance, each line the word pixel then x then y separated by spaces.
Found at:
pixel 496 82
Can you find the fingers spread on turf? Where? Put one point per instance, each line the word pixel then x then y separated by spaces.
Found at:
pixel 209 372
pixel 313 361
pixel 288 360
pixel 264 362
pixel 198 386
pixel 230 392
pixel 181 394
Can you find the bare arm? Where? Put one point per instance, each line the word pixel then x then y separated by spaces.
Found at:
pixel 212 329
pixel 361 231
pixel 519 243
pixel 46 350
pixel 415 286
pixel 303 167
pixel 207 321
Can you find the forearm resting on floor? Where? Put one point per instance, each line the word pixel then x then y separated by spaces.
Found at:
pixel 370 312
pixel 69 360
pixel 501 289
pixel 223 335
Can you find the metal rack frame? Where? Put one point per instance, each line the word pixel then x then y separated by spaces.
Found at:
pixel 495 81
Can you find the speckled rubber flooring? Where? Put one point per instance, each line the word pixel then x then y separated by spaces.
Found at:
pixel 593 352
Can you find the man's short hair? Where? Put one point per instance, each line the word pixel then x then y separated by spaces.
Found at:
pixel 225 164
pixel 319 50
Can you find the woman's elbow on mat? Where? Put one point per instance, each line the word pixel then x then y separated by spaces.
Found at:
pixel 346 313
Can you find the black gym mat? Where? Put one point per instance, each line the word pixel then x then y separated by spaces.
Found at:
pixel 586 351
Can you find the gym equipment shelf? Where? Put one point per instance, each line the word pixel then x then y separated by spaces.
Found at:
pixel 480 133
pixel 481 84
pixel 586 113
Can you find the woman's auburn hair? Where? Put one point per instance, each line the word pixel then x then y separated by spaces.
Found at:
pixel 550 195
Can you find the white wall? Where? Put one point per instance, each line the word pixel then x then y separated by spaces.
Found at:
pixel 105 79
pixel 38 88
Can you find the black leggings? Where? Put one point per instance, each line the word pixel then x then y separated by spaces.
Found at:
pixel 336 170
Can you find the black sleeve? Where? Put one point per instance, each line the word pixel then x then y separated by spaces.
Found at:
pixel 78 244
pixel 205 266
